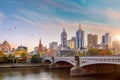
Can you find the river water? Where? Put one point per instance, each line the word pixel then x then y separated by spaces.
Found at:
pixel 47 74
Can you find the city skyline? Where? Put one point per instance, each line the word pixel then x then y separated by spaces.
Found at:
pixel 24 22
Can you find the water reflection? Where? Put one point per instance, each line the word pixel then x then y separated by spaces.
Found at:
pixel 47 74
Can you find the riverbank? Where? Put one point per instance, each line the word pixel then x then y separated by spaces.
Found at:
pixel 16 65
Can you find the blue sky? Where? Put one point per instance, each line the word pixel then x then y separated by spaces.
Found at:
pixel 24 22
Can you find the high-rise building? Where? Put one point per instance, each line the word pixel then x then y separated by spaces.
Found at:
pixel 53 45
pixel 106 40
pixel 71 43
pixel 80 38
pixel 92 40
pixel 64 38
pixel 74 41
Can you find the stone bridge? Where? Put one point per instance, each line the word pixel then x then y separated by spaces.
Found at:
pixel 86 65
pixel 84 61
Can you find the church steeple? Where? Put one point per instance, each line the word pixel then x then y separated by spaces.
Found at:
pixel 40 47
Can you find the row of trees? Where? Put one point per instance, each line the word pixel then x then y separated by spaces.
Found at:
pixel 97 52
pixel 23 54
pixel 36 59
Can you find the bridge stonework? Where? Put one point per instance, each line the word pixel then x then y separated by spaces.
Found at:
pixel 87 65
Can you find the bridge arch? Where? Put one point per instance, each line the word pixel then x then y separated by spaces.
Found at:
pixel 63 64
pixel 47 61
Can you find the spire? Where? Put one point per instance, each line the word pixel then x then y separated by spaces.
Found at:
pixel 40 47
pixel 40 41
pixel 63 29
pixel 79 26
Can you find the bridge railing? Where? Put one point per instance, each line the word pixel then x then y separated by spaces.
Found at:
pixel 98 59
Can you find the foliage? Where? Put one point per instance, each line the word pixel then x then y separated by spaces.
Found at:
pixel 36 58
pixel 23 54
pixel 5 59
pixel 11 56
pixel 100 52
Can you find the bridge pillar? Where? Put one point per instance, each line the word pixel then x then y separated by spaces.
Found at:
pixel 75 71
pixel 52 65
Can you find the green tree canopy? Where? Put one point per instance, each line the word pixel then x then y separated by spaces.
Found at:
pixel 35 58
pixel 100 52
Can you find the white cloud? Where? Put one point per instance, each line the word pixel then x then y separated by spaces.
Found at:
pixel 112 14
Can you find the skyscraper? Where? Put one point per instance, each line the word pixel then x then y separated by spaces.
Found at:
pixel 64 38
pixel 92 40
pixel 80 38
pixel 106 40
pixel 71 43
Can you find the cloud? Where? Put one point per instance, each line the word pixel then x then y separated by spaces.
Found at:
pixel 112 14
pixel 47 22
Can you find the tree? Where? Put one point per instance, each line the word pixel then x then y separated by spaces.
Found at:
pixel 99 52
pixel 5 59
pixel 11 58
pixel 36 58
pixel 23 55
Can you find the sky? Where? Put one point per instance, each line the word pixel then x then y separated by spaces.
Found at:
pixel 25 22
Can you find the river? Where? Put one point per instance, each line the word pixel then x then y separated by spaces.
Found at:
pixel 40 73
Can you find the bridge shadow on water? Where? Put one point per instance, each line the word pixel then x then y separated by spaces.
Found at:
pixel 110 76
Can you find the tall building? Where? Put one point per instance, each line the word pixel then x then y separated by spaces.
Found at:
pixel 74 42
pixel 71 43
pixel 92 40
pixel 106 40
pixel 5 47
pixel 80 38
pixel 64 38
pixel 53 45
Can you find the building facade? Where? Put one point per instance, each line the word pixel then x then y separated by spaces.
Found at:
pixel 53 45
pixel 92 40
pixel 80 38
pixel 71 43
pixel 106 40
